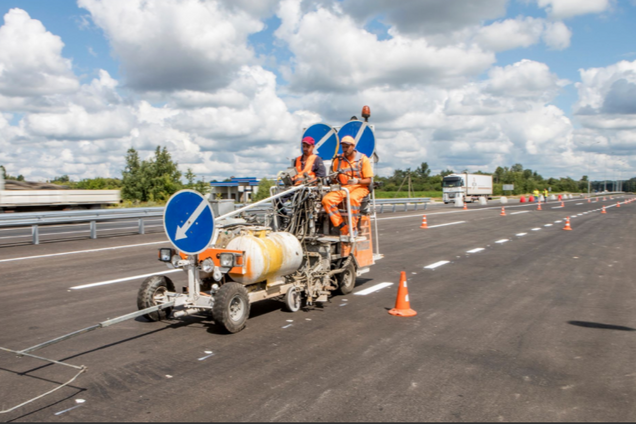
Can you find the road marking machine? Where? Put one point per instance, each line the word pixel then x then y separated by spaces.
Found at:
pixel 292 252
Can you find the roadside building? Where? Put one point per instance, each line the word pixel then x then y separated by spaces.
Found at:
pixel 241 190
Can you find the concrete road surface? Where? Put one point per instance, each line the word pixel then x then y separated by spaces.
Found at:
pixel 518 320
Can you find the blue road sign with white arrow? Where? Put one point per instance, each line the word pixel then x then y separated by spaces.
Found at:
pixel 189 222
pixel 326 139
pixel 362 133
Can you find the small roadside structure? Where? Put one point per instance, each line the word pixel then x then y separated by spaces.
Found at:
pixel 240 190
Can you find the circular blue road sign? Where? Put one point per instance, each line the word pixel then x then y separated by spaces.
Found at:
pixel 362 133
pixel 189 222
pixel 326 140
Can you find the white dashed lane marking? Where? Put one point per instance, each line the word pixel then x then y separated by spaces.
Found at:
pixel 373 289
pixel 479 249
pixel 436 264
pixel 521 234
pixel 502 241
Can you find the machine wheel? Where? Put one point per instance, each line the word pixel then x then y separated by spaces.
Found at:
pixel 293 300
pixel 151 293
pixel 347 279
pixel 231 307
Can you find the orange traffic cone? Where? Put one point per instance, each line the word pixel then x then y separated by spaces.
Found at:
pixel 604 199
pixel 465 207
pixel 562 204
pixel 567 224
pixel 424 224
pixel 402 304
pixel 539 206
pixel 588 200
pixel 603 211
pixel 618 204
pixel 503 211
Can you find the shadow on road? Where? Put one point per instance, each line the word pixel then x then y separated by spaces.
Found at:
pixel 588 324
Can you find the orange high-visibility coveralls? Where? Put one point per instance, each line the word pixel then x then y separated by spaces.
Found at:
pixel 360 168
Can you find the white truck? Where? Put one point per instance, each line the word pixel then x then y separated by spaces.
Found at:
pixel 469 186
pixel 24 196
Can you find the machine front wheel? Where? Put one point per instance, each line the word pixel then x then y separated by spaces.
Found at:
pixel 347 279
pixel 231 307
pixel 151 293
pixel 293 300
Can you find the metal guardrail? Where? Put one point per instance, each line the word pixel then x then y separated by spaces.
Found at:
pixel 93 216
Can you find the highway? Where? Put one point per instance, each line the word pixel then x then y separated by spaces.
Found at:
pixel 518 320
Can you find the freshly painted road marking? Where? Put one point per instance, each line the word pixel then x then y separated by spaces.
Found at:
pixel 556 222
pixel 288 325
pixel 502 241
pixel 206 357
pixel 121 280
pixel 436 264
pixel 450 223
pixel 373 289
pixel 556 207
pixel 521 234
pixel 479 249
pixel 514 213
pixel 82 251
pixel 547 225
pixel 536 229
pixel 579 204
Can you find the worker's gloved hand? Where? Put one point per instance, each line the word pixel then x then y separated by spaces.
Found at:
pixel 353 181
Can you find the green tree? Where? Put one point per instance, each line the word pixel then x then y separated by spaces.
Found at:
pixel 132 178
pixel 447 172
pixel 263 189
pixel 190 177
pixel 162 176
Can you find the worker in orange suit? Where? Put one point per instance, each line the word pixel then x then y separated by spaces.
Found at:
pixel 355 175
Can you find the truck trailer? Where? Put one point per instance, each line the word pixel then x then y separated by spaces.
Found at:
pixel 25 196
pixel 468 186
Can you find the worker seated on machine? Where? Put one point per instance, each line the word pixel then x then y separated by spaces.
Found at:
pixel 354 173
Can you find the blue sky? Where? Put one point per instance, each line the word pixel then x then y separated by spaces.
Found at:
pixel 199 78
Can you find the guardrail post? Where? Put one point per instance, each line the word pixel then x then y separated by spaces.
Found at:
pixel 416 205
pixel 141 226
pixel 394 206
pixel 35 232
pixel 425 205
pixel 382 208
pixel 93 229
pixel 406 207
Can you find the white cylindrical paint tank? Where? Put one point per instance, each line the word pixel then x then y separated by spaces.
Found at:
pixel 267 256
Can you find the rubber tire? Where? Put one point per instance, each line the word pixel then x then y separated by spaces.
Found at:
pixel 289 307
pixel 221 309
pixel 347 280
pixel 147 291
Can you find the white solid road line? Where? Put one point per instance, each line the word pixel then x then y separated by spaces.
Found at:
pixel 502 241
pixel 556 207
pixel 121 280
pixel 514 213
pixel 450 223
pixel 373 289
pixel 521 234
pixel 436 264
pixel 479 249
pixel 82 251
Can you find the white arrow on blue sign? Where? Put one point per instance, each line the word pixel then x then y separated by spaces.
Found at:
pixel 189 222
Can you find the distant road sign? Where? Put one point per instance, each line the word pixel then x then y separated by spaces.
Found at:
pixel 326 139
pixel 189 222
pixel 508 187
pixel 361 133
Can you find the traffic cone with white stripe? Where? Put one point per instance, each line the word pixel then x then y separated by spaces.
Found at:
pixel 588 200
pixel 539 206
pixel 465 207
pixel 562 204
pixel 424 224
pixel 503 211
pixel 603 211
pixel 402 304
pixel 567 224
pixel 618 204
pixel 604 199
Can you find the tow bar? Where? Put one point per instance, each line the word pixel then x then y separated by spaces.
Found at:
pixel 81 368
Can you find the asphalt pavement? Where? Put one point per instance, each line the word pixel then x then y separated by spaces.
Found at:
pixel 518 320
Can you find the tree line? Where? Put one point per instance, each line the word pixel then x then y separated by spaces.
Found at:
pixel 524 181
